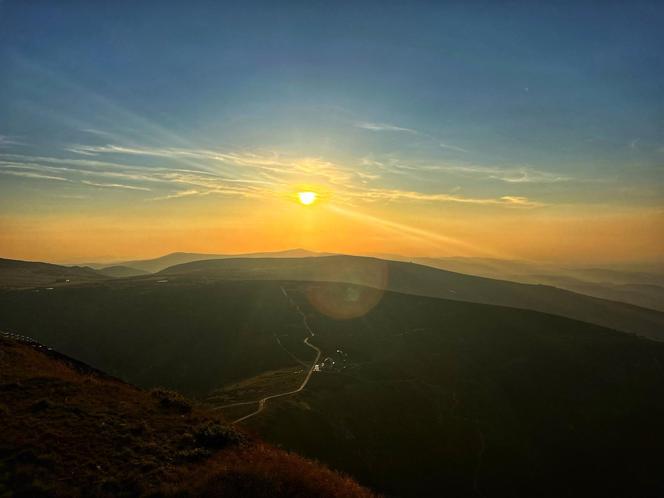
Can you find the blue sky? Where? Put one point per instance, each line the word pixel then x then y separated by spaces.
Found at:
pixel 556 107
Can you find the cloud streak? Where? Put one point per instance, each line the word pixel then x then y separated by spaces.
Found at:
pixel 406 195
pixel 7 140
pixel 30 174
pixel 115 185
pixel 453 147
pixel 255 175
pixel 384 127
pixel 507 175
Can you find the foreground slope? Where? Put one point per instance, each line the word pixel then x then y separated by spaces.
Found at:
pixel 69 430
pixel 427 281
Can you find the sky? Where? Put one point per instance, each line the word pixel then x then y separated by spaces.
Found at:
pixel 498 129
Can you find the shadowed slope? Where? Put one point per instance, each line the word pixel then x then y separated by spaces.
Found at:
pixel 120 271
pixel 69 430
pixel 431 397
pixel 426 281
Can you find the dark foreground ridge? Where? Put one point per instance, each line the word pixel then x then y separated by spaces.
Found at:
pixel 70 430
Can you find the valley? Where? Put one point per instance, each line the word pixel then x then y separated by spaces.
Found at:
pixel 485 399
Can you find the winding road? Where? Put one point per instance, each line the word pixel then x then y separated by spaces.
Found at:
pixel 263 401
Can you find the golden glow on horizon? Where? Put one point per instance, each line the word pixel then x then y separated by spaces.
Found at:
pixel 307 198
pixel 210 224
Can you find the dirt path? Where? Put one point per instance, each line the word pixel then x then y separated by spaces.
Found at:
pixel 263 401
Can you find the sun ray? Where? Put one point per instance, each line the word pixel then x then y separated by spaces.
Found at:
pixel 416 233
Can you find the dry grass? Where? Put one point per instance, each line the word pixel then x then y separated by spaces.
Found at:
pixel 68 430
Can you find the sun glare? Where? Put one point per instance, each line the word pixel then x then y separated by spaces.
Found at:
pixel 307 198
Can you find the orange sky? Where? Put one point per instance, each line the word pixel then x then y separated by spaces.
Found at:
pixel 407 228
pixel 195 132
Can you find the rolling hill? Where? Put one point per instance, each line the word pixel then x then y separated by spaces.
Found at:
pixel 429 397
pixel 157 264
pixel 120 271
pixel 26 274
pixel 191 337
pixel 414 396
pixel 629 285
pixel 422 280
pixel 70 430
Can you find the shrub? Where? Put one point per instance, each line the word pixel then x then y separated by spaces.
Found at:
pixel 171 400
pixel 217 436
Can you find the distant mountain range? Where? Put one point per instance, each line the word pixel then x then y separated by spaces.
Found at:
pixel 641 285
pixel 177 258
pixel 25 274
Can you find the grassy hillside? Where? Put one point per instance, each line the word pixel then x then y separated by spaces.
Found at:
pixel 68 430
pixel 423 280
pixel 425 397
pixel 188 336
pixel 436 398
pixel 25 274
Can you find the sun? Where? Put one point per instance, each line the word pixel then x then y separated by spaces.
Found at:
pixel 307 198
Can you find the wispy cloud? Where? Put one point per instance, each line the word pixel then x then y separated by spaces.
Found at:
pixel 383 127
pixel 453 147
pixel 206 192
pixel 386 127
pixel 508 175
pixel 94 131
pixel 400 195
pixel 6 140
pixel 365 177
pixel 525 175
pixel 177 195
pixel 115 185
pixel 263 163
pixel 257 174
pixel 30 174
pixel 520 201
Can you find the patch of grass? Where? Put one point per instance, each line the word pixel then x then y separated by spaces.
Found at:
pixel 193 454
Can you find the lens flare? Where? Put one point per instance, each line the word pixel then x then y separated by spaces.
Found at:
pixel 349 289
